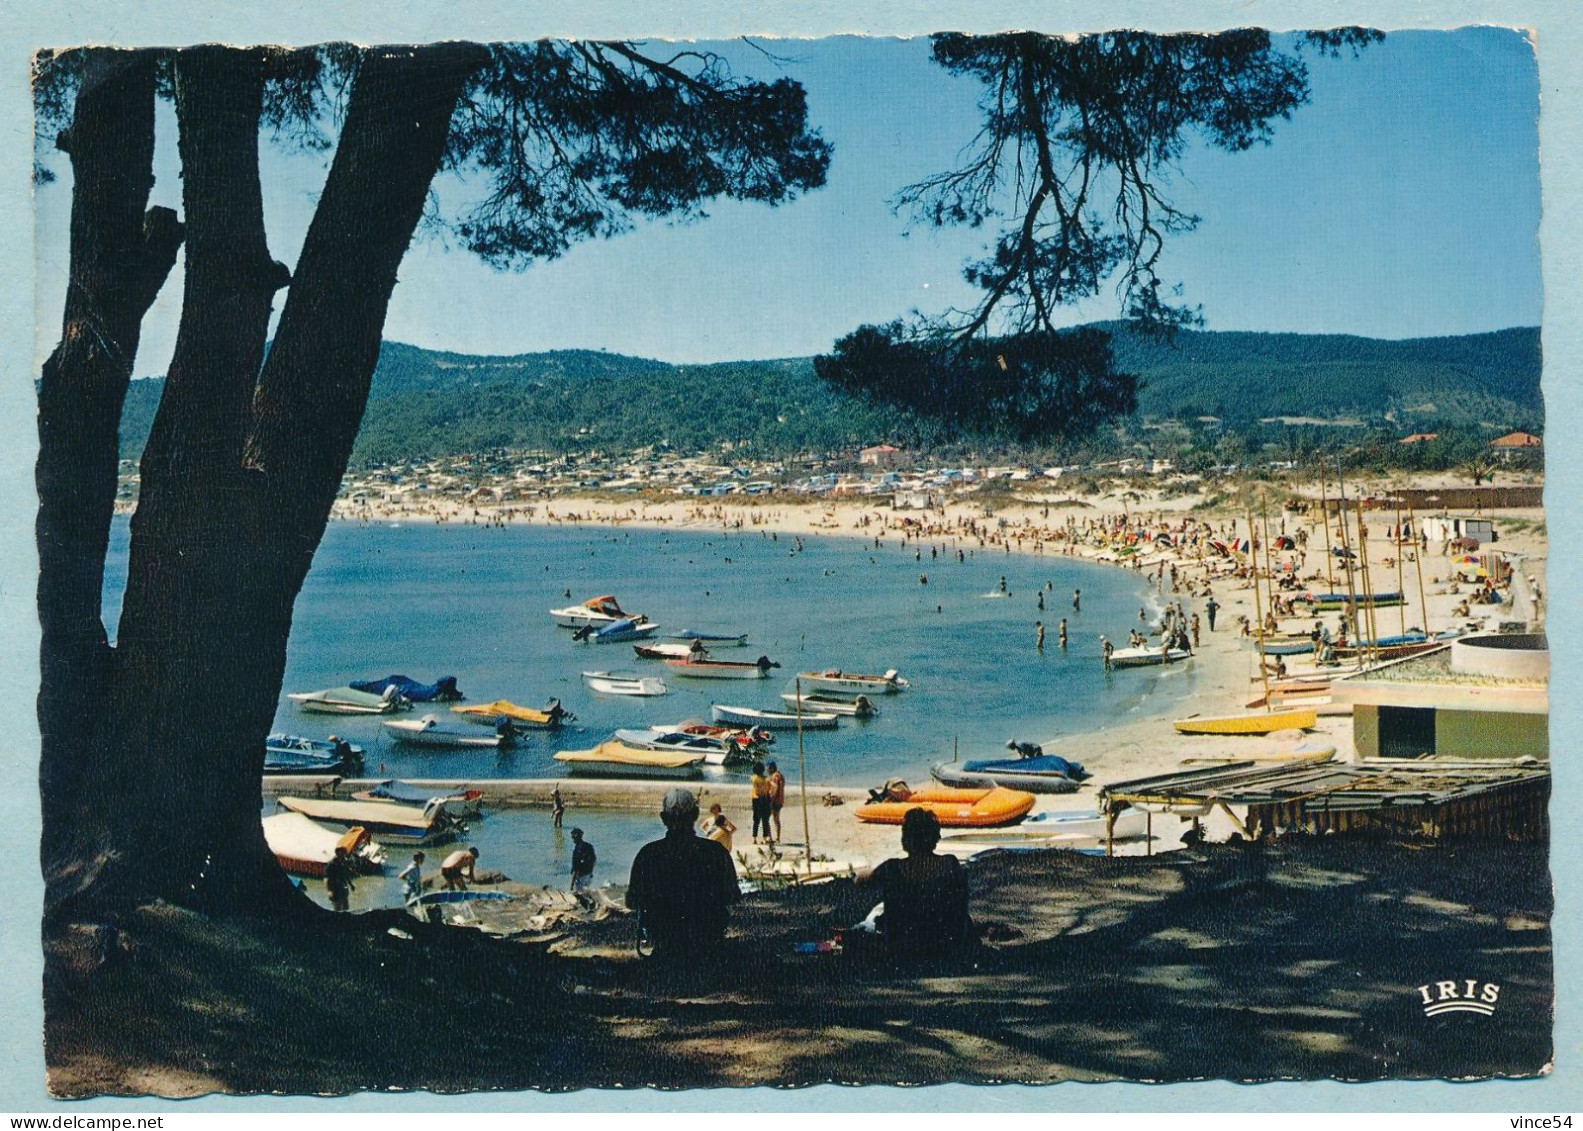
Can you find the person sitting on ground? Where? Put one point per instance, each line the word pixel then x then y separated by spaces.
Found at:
pixel 718 827
pixel 924 894
pixel 457 869
pixel 682 885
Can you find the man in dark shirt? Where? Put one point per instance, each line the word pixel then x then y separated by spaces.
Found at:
pixel 583 860
pixel 338 879
pixel 683 885
pixel 925 894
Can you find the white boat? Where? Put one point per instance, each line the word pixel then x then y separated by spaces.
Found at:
pixel 717 750
pixel 461 804
pixel 303 846
pixel 662 651
pixel 1143 657
pixel 613 683
pixel 774 720
pixel 833 679
pixel 348 701
pixel 616 759
pixel 427 731
pixel 824 701
pixel 598 611
pixel 395 823
pixel 722 669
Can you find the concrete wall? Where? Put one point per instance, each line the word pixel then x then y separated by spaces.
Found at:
pixel 1464 734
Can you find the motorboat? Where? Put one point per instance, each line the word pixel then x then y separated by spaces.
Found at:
pixel 722 669
pixel 597 611
pixel 774 720
pixel 710 639
pixel 442 690
pixel 825 701
pixel 349 701
pixel 664 651
pixel 617 759
pixel 304 847
pixel 1145 657
pixel 617 632
pixel 394 823
pixel 723 749
pixel 427 731
pixel 457 803
pixel 293 754
pixel 834 679
pixel 490 714
pixel 1041 773
pixel 620 683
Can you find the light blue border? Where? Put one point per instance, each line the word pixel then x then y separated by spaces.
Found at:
pixel 1559 35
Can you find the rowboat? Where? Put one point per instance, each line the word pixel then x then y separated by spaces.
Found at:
pixel 455 803
pixel 490 714
pixel 709 639
pixel 348 701
pixel 833 679
pixel 722 669
pixel 428 732
pixel 1047 773
pixel 1144 657
pixel 612 683
pixel 395 823
pixel 954 808
pixel 662 651
pixel 1249 724
pixel 616 759
pixel 597 611
pixel 292 754
pixel 774 720
pixel 858 707
pixel 303 847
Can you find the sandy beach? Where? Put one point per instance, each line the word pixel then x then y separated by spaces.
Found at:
pixel 1117 528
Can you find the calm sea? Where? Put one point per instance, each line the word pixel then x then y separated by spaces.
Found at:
pixel 428 600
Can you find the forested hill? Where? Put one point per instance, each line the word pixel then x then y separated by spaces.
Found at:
pixel 427 403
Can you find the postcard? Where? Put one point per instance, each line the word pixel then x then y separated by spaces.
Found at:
pixel 746 557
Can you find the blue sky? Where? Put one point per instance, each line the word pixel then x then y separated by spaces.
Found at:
pixel 1403 201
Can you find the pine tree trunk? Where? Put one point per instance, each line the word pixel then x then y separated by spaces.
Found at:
pixel 242 467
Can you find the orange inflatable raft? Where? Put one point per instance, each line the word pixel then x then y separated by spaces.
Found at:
pixel 955 808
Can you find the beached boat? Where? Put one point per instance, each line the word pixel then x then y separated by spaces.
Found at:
pixel 617 632
pixel 1052 829
pixel 1045 773
pixel 709 639
pixel 621 683
pixel 1283 645
pixel 597 611
pixel 833 679
pixel 303 847
pixel 393 822
pixel 293 754
pixel 1332 601
pixel 490 714
pixel 774 720
pixel 1145 657
pixel 457 803
pixel 427 731
pixel 442 690
pixel 722 669
pixel 348 701
pixel 954 808
pixel 1249 724
pixel 617 759
pixel 857 707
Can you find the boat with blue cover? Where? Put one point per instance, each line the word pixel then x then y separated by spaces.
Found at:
pixel 442 690
pixel 293 754
pixel 1042 773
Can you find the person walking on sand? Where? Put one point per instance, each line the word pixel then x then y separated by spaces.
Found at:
pixel 557 807
pixel 1210 610
pixel 583 860
pixel 777 795
pixel 1195 630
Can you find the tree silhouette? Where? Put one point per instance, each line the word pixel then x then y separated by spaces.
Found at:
pixel 1070 162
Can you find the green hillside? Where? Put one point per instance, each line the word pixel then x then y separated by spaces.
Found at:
pixel 427 403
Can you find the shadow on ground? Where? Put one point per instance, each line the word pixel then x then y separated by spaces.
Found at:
pixel 1298 960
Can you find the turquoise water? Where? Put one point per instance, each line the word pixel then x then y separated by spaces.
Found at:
pixel 473 601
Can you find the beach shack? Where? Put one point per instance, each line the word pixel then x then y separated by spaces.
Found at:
pixel 1446 528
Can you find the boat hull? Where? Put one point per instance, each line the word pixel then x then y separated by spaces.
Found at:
pixel 708 670
pixel 774 720
pixel 1147 657
pixel 1249 724
pixel 847 681
pixel 416 734
pixel 958 777
pixel 831 705
pixel 607 684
